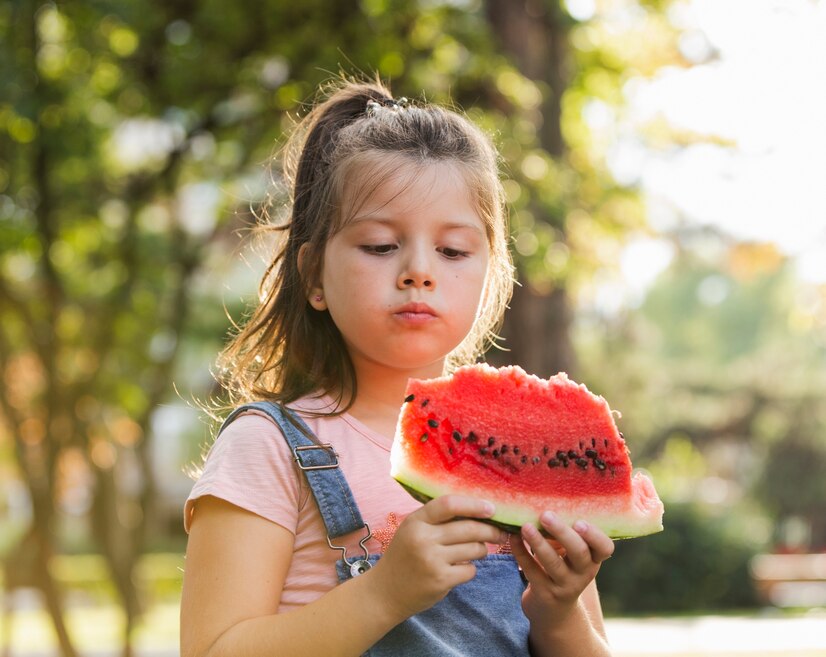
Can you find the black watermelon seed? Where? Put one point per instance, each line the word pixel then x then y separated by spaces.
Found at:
pixel 491 440
pixel 471 437
pixel 590 453
pixel 495 453
pixel 553 463
pixel 593 442
pixel 561 455
pixel 606 442
pixel 457 436
pixel 572 454
pixel 524 459
pixel 503 449
pixel 565 462
pixel 581 444
pixel 621 435
pixel 423 438
pixel 424 403
pixel 545 450
pixel 409 398
pixel 582 463
pixel 433 423
pixel 483 450
pixel 516 450
pixel 535 460
pixel 450 450
pixel 599 464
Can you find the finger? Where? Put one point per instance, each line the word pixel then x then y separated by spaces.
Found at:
pixel 448 507
pixel 544 553
pixel 530 568
pixel 462 572
pixel 464 531
pixel 464 552
pixel 600 545
pixel 577 551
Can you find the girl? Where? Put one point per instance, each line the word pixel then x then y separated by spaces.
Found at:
pixel 393 265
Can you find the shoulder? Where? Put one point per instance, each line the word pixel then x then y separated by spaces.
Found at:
pixel 251 466
pixel 251 437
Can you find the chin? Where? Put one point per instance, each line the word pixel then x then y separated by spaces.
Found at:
pixel 416 362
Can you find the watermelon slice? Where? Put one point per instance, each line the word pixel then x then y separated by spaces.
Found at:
pixel 527 445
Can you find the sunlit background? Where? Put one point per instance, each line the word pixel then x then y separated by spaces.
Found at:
pixel 665 165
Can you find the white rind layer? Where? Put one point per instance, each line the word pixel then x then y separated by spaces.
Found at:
pixel 619 517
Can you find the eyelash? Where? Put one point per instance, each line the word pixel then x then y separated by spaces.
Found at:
pixel 374 249
pixel 457 253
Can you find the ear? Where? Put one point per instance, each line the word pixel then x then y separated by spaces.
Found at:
pixel 315 294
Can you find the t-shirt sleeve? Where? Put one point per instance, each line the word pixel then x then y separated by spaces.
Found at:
pixel 250 465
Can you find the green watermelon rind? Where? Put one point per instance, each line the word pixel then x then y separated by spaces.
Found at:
pixel 511 519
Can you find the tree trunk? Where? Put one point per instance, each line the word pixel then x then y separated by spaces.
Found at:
pixel 537 327
pixel 536 332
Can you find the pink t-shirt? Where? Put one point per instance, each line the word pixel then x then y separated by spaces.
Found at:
pixel 251 466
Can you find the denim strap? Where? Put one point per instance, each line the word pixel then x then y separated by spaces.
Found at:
pixel 320 466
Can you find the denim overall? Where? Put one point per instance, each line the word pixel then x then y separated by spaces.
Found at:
pixel 480 618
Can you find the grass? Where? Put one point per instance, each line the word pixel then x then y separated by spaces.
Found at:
pixel 98 628
pixel 96 623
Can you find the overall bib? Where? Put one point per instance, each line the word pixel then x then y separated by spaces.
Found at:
pixel 480 618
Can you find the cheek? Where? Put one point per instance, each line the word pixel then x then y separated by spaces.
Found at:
pixel 346 282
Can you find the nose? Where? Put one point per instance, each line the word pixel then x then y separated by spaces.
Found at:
pixel 417 273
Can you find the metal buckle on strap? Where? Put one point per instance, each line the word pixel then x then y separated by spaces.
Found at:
pixel 357 566
pixel 326 466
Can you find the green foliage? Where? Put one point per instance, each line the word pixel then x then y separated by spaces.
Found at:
pixel 705 311
pixel 719 375
pixel 697 563
pixel 791 483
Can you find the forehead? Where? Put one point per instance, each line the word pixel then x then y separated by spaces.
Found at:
pixel 391 183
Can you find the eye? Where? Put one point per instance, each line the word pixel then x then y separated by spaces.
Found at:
pixel 454 254
pixel 378 249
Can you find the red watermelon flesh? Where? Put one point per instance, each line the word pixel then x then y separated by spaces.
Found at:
pixel 527 445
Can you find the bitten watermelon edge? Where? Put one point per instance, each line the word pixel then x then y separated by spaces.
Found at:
pixel 526 444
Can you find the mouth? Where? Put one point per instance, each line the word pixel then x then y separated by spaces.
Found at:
pixel 415 312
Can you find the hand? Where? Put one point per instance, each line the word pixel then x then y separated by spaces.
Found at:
pixel 560 568
pixel 431 551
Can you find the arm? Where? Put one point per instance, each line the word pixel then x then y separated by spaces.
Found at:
pixel 237 563
pixel 561 601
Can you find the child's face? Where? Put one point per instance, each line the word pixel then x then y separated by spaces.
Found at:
pixel 403 279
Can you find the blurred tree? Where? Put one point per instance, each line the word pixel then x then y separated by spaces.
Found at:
pixel 791 484
pixel 726 354
pixel 699 563
pixel 131 138
pixel 535 36
pixel 564 102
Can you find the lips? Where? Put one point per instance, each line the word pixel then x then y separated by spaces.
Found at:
pixel 415 312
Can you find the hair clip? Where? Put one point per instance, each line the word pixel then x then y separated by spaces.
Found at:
pixel 372 107
pixel 389 103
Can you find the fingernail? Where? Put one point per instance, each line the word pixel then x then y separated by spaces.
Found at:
pixel 581 526
pixel 529 531
pixel 547 517
pixel 489 508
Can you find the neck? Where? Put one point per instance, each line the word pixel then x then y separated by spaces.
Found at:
pixel 380 395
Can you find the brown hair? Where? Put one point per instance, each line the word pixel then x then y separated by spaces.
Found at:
pixel 287 349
